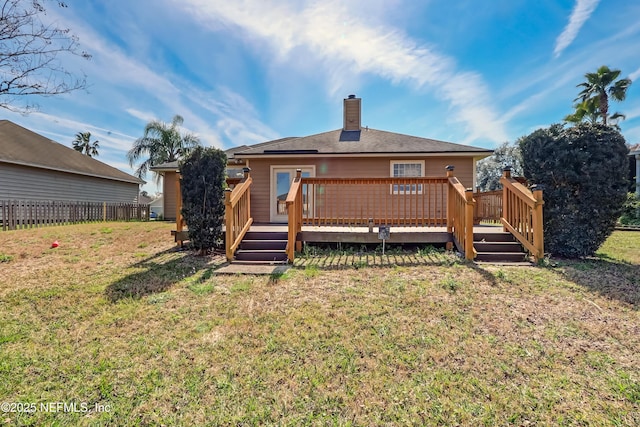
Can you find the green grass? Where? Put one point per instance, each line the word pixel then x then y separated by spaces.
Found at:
pixel 340 339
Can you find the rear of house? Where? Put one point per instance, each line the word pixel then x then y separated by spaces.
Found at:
pixel 350 152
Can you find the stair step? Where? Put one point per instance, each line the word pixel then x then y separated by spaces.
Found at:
pixel 275 245
pixel 261 255
pixel 266 235
pixel 497 246
pixel 493 237
pixel 243 262
pixel 501 257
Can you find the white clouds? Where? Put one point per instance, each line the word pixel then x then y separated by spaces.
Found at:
pixel 581 13
pixel 335 37
pixel 634 76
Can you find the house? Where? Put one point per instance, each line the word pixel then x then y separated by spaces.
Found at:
pixel 33 167
pixel 157 208
pixel 341 185
pixel 353 151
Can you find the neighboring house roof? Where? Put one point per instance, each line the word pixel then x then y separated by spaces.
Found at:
pixel 365 142
pixel 634 150
pixel 23 147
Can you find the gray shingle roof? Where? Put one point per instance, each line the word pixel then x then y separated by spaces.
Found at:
pixel 366 141
pixel 24 147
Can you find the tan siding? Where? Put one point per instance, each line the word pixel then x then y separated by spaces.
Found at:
pixel 27 183
pixel 375 167
pixel 169 195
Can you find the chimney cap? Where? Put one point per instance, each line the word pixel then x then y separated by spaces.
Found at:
pixel 352 97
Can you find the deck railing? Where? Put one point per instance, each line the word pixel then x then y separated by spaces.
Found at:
pixel 488 206
pixel 18 214
pixel 294 203
pixel 238 218
pixel 460 208
pixel 522 214
pixel 407 202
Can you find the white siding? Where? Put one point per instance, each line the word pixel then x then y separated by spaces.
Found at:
pixel 27 183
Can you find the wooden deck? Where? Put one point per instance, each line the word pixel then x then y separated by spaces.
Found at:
pixel 399 234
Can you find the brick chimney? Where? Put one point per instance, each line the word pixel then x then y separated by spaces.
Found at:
pixel 352 113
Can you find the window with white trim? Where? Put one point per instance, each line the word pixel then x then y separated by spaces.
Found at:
pixel 407 169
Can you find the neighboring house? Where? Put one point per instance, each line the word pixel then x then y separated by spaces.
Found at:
pixel 156 208
pixel 33 167
pixel 351 152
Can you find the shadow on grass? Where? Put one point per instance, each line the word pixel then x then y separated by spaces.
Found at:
pixel 607 276
pixel 337 260
pixel 159 272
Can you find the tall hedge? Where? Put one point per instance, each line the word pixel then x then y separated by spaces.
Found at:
pixel 583 171
pixel 202 186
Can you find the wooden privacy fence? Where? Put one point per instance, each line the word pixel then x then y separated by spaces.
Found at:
pixel 522 214
pixel 18 214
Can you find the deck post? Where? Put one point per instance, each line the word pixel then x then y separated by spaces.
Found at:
pixel 506 173
pixel 469 251
pixel 299 211
pixel 538 225
pixel 228 222
pixel 450 200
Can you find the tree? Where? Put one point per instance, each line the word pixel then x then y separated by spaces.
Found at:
pixel 202 187
pixel 583 170
pixel 30 54
pixel 161 143
pixel 490 168
pixel 83 144
pixel 600 87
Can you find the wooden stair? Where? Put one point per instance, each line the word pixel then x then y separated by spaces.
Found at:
pixel 498 248
pixel 262 247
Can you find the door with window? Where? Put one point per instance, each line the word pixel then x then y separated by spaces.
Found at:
pixel 281 179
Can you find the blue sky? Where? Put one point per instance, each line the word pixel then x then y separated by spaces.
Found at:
pixel 248 71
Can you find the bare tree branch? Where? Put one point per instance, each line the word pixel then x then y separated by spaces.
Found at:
pixel 30 54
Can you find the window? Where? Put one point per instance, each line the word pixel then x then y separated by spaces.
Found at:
pixel 407 169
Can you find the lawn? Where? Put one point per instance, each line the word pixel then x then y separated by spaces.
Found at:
pixel 115 327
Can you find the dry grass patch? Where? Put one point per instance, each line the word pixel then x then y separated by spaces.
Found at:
pixel 162 340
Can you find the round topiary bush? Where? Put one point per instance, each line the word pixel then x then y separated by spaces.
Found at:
pixel 583 171
pixel 202 187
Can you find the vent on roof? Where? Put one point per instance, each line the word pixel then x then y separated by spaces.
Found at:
pixel 352 113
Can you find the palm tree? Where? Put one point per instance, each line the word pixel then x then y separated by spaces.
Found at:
pixel 161 143
pixel 83 144
pixel 602 86
pixel 587 110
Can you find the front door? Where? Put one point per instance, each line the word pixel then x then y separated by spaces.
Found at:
pixel 281 179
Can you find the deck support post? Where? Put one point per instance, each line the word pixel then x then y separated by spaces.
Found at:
pixel 469 251
pixel 537 223
pixel 228 221
pixel 506 173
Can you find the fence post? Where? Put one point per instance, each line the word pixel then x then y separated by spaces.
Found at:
pixel 450 200
pixel 104 211
pixel 469 251
pixel 538 224
pixel 228 222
